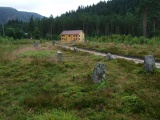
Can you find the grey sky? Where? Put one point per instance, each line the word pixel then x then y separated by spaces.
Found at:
pixel 47 7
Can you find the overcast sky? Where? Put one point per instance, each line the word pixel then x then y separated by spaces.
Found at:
pixel 47 7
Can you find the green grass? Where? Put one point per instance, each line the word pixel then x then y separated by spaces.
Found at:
pixel 36 54
pixel 56 115
pixel 34 85
pixel 135 50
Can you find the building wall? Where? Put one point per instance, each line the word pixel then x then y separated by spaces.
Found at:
pixel 82 37
pixel 78 38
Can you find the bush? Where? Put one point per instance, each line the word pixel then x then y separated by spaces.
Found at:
pixel 132 104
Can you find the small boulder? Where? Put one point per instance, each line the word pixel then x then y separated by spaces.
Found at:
pixel 109 56
pixel 149 63
pixel 99 73
pixel 64 48
pixel 53 42
pixel 72 41
pixel 75 49
pixel 36 44
pixel 59 56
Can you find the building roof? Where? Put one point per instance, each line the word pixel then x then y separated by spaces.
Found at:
pixel 71 32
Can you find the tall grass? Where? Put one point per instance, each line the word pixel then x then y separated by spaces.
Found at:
pixel 5 40
pixel 125 45
pixel 127 39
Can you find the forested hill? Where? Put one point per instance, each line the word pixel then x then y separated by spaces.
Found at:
pixel 7 13
pixel 135 17
pixel 120 7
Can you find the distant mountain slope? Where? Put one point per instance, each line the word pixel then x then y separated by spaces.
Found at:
pixel 7 13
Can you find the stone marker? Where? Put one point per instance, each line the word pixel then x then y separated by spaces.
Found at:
pixel 72 41
pixel 87 41
pixel 99 73
pixel 59 56
pixel 75 49
pixel 36 44
pixel 64 48
pixel 149 63
pixel 109 56
pixel 53 42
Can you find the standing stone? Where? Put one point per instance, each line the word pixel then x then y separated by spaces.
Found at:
pixel 87 41
pixel 53 42
pixel 36 44
pixel 109 56
pixel 72 41
pixel 75 49
pixel 149 63
pixel 64 48
pixel 59 56
pixel 99 73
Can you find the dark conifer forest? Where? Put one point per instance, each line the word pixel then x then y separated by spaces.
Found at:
pixel 135 17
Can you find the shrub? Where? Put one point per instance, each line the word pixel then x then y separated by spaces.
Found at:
pixel 132 104
pixel 88 101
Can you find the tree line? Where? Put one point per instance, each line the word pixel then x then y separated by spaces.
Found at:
pixel 135 17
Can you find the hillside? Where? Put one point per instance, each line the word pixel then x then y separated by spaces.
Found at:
pixel 102 19
pixel 8 13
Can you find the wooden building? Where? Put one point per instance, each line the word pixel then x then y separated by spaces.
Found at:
pixel 72 35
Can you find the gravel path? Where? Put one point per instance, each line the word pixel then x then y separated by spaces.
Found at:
pixel 136 60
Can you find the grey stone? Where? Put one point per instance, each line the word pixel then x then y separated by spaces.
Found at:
pixel 109 56
pixel 59 56
pixel 99 73
pixel 53 42
pixel 36 45
pixel 64 48
pixel 75 49
pixel 87 41
pixel 149 63
pixel 72 41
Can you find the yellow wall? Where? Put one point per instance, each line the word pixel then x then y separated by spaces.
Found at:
pixel 82 37
pixel 78 38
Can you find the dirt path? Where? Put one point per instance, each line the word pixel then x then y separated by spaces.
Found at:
pixel 103 54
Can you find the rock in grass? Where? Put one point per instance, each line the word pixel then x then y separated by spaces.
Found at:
pixel 36 44
pixel 99 73
pixel 53 42
pixel 59 56
pixel 109 56
pixel 64 48
pixel 75 49
pixel 149 63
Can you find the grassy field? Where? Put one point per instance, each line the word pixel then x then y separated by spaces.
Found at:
pixel 35 86
pixel 126 48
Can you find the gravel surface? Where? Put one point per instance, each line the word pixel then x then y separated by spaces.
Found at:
pixel 136 60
